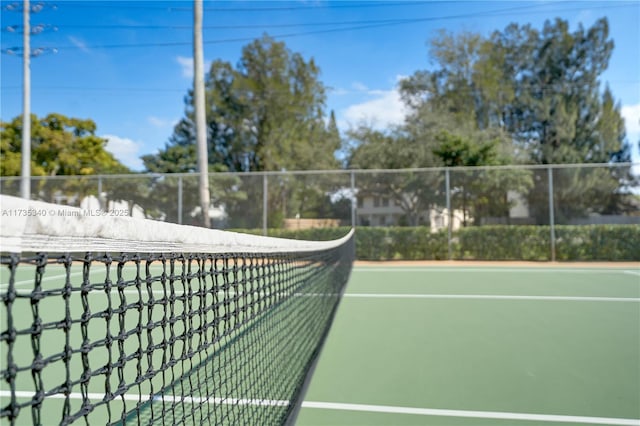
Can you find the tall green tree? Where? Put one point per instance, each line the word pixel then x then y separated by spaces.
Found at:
pixel 542 89
pixel 480 193
pixel 267 113
pixel 225 188
pixel 430 137
pixel 60 145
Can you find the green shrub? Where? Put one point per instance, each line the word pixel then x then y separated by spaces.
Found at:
pixel 373 244
pixel 598 242
pixel 503 243
pixel 531 243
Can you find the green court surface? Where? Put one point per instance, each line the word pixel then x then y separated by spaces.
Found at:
pixel 481 346
pixel 409 346
pixel 204 348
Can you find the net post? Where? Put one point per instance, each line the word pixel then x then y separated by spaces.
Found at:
pixel 447 183
pixel 551 215
pixel 264 203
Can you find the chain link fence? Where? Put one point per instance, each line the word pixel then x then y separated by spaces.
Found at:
pixel 442 200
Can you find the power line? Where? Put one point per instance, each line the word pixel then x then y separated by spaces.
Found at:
pixel 305 7
pixel 31 29
pixel 355 26
pixel 345 5
pixel 549 88
pixel 227 27
pixel 301 7
pixel 314 32
pixel 14 28
pixel 35 29
pixel 97 89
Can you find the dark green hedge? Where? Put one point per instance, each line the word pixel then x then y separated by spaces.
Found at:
pixel 598 242
pixel 573 243
pixel 503 243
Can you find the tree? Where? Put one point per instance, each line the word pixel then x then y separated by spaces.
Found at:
pixel 265 114
pixel 541 88
pixel 415 192
pixel 59 146
pixel 480 193
pixel 226 189
pixel 432 136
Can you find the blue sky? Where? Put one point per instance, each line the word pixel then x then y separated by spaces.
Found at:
pixel 127 65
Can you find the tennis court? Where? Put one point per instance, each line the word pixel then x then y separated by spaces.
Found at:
pixel 167 340
pixel 495 345
pixel 410 345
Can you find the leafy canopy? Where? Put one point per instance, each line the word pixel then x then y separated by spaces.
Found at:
pixel 59 146
pixel 266 113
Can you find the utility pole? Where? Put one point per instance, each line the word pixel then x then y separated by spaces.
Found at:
pixel 25 182
pixel 199 106
pixel 27 53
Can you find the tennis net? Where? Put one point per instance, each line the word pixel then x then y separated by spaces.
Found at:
pixel 112 320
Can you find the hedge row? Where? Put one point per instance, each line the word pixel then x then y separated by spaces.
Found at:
pixel 573 243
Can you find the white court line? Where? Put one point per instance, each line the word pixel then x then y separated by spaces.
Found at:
pixel 401 269
pixel 50 278
pixel 165 398
pixel 364 408
pixel 493 297
pixel 45 278
pixel 402 296
pixel 226 401
pixel 471 414
pixel 488 269
pixel 181 292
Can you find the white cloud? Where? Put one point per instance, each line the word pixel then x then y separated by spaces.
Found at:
pixel 79 44
pixel 187 66
pixel 338 92
pixel 385 109
pixel 586 17
pixel 359 86
pixel 125 150
pixel 631 115
pixel 159 122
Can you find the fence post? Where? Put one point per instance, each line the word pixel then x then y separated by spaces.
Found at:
pixel 264 204
pixel 100 194
pixel 354 199
pixel 180 200
pixel 551 216
pixel 449 212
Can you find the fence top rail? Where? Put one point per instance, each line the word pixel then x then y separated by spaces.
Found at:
pixel 501 167
pixel 335 171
